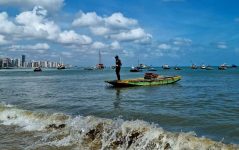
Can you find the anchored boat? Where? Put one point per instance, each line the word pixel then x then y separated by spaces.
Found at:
pixel 135 69
pixel 37 69
pixel 165 66
pixel 159 80
pixel 100 65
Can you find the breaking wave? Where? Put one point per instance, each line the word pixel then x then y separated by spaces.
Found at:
pixel 63 131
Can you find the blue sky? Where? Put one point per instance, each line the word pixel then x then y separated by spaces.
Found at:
pixel 174 32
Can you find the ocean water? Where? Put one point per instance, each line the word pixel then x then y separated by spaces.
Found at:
pixel 76 109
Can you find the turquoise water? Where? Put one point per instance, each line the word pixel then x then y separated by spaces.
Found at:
pixel 204 102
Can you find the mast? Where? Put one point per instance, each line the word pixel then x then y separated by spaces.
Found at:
pixel 60 61
pixel 99 57
pixel 138 61
pixel 100 65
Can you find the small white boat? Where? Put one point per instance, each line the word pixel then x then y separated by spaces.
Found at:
pixel 134 69
pixel 194 66
pixel 165 66
pixel 203 66
pixel 223 67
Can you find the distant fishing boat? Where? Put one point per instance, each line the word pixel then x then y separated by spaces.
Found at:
pixel 177 68
pixel 203 66
pixel 100 65
pixel 209 68
pixel 37 69
pixel 134 69
pixel 143 66
pixel 151 80
pixel 222 67
pixel 194 66
pixel 61 66
pixel 165 66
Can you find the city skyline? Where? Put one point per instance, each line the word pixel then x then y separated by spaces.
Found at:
pixel 174 32
pixel 23 62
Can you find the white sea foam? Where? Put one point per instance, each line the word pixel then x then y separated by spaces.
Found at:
pixel 30 121
pixel 97 133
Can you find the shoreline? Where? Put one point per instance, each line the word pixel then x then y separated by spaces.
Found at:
pixel 97 133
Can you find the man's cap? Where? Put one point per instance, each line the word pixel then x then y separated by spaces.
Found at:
pixel 116 56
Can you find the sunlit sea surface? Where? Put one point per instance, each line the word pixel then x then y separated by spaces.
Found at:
pixel 76 109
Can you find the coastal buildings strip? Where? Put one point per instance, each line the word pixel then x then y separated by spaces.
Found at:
pixel 7 62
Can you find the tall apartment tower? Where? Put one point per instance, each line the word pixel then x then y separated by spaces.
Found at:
pixel 23 60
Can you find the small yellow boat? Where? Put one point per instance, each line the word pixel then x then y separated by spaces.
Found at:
pixel 160 80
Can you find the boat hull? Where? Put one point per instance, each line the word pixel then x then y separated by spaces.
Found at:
pixel 37 70
pixel 177 68
pixel 134 70
pixel 144 82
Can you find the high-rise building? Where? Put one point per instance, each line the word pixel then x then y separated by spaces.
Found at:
pixel 6 62
pixel 0 62
pixel 19 62
pixel 23 60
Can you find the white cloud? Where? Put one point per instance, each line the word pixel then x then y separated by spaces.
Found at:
pixel 221 45
pixel 131 35
pixel 115 45
pixel 117 20
pixel 2 40
pixel 116 27
pixel 39 48
pixel 99 30
pixel 182 41
pixel 69 37
pixel 6 26
pixel 98 45
pixel 87 19
pixel 50 5
pixel 172 48
pixel 35 25
pixel 35 16
pixel 145 40
pixel 164 46
pixel 41 51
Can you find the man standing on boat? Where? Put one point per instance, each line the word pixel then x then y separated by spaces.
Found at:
pixel 117 66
